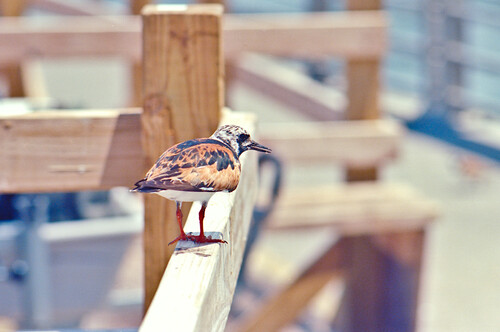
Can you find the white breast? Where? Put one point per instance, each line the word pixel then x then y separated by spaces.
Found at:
pixel 186 196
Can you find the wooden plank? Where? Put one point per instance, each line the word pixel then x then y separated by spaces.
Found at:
pixel 136 69
pixel 350 143
pixel 70 36
pixel 311 36
pixel 284 307
pixel 64 7
pixel 290 87
pixel 33 80
pixel 12 72
pixel 387 282
pixel 365 296
pixel 196 291
pixel 137 5
pixel 319 35
pixel 116 134
pixel 12 7
pixel 408 250
pixel 363 89
pixel 70 150
pixel 355 209
pixel 183 98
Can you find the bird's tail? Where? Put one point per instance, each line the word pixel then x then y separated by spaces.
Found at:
pixel 141 186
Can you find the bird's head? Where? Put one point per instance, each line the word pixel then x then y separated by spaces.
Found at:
pixel 238 139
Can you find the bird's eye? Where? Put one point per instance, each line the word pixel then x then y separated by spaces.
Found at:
pixel 243 137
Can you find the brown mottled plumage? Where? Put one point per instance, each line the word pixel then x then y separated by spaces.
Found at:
pixel 196 169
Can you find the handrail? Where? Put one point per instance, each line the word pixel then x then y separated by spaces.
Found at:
pixel 196 290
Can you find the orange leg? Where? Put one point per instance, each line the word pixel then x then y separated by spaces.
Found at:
pixel 183 235
pixel 195 238
pixel 202 238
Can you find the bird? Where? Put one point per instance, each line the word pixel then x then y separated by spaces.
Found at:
pixel 196 169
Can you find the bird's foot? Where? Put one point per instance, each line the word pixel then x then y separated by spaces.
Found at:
pixel 197 239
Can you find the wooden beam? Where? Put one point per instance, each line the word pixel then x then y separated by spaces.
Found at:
pixel 383 285
pixel 366 143
pixel 70 36
pixel 33 80
pixel 183 97
pixel 290 87
pixel 197 288
pixel 116 134
pixel 64 7
pixel 12 7
pixel 70 150
pixel 136 69
pixel 137 5
pixel 311 36
pixel 12 72
pixel 355 209
pixel 284 307
pixel 363 89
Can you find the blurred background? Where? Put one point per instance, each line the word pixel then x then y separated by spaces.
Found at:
pixel 74 260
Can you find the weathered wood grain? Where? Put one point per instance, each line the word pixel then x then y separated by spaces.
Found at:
pixel 355 209
pixel 196 291
pixel 12 7
pixel 320 35
pixel 70 150
pixel 366 143
pixel 290 87
pixel 183 94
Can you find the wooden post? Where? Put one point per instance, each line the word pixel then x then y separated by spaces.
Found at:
pixel 12 7
pixel 137 5
pixel 229 63
pixel 135 8
pixel 183 96
pixel 362 90
pixel 13 72
pixel 382 291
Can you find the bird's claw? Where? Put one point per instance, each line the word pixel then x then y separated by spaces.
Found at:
pixel 197 239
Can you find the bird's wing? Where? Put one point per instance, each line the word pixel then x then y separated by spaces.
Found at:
pixel 196 165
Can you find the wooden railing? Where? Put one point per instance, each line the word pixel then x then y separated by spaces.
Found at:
pixel 99 149
pixel 191 289
pixel 352 35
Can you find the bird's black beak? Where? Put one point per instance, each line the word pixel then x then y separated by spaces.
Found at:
pixel 258 147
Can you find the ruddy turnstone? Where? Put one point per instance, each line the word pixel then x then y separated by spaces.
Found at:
pixel 196 169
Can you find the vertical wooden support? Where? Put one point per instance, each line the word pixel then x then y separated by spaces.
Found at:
pixel 229 68
pixel 183 98
pixel 382 289
pixel 362 90
pixel 136 68
pixel 13 72
pixel 137 5
pixel 12 7
pixel 284 308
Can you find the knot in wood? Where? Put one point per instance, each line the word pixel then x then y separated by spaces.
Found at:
pixel 6 125
pixel 153 103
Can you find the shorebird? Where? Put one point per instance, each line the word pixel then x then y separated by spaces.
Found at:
pixel 196 169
